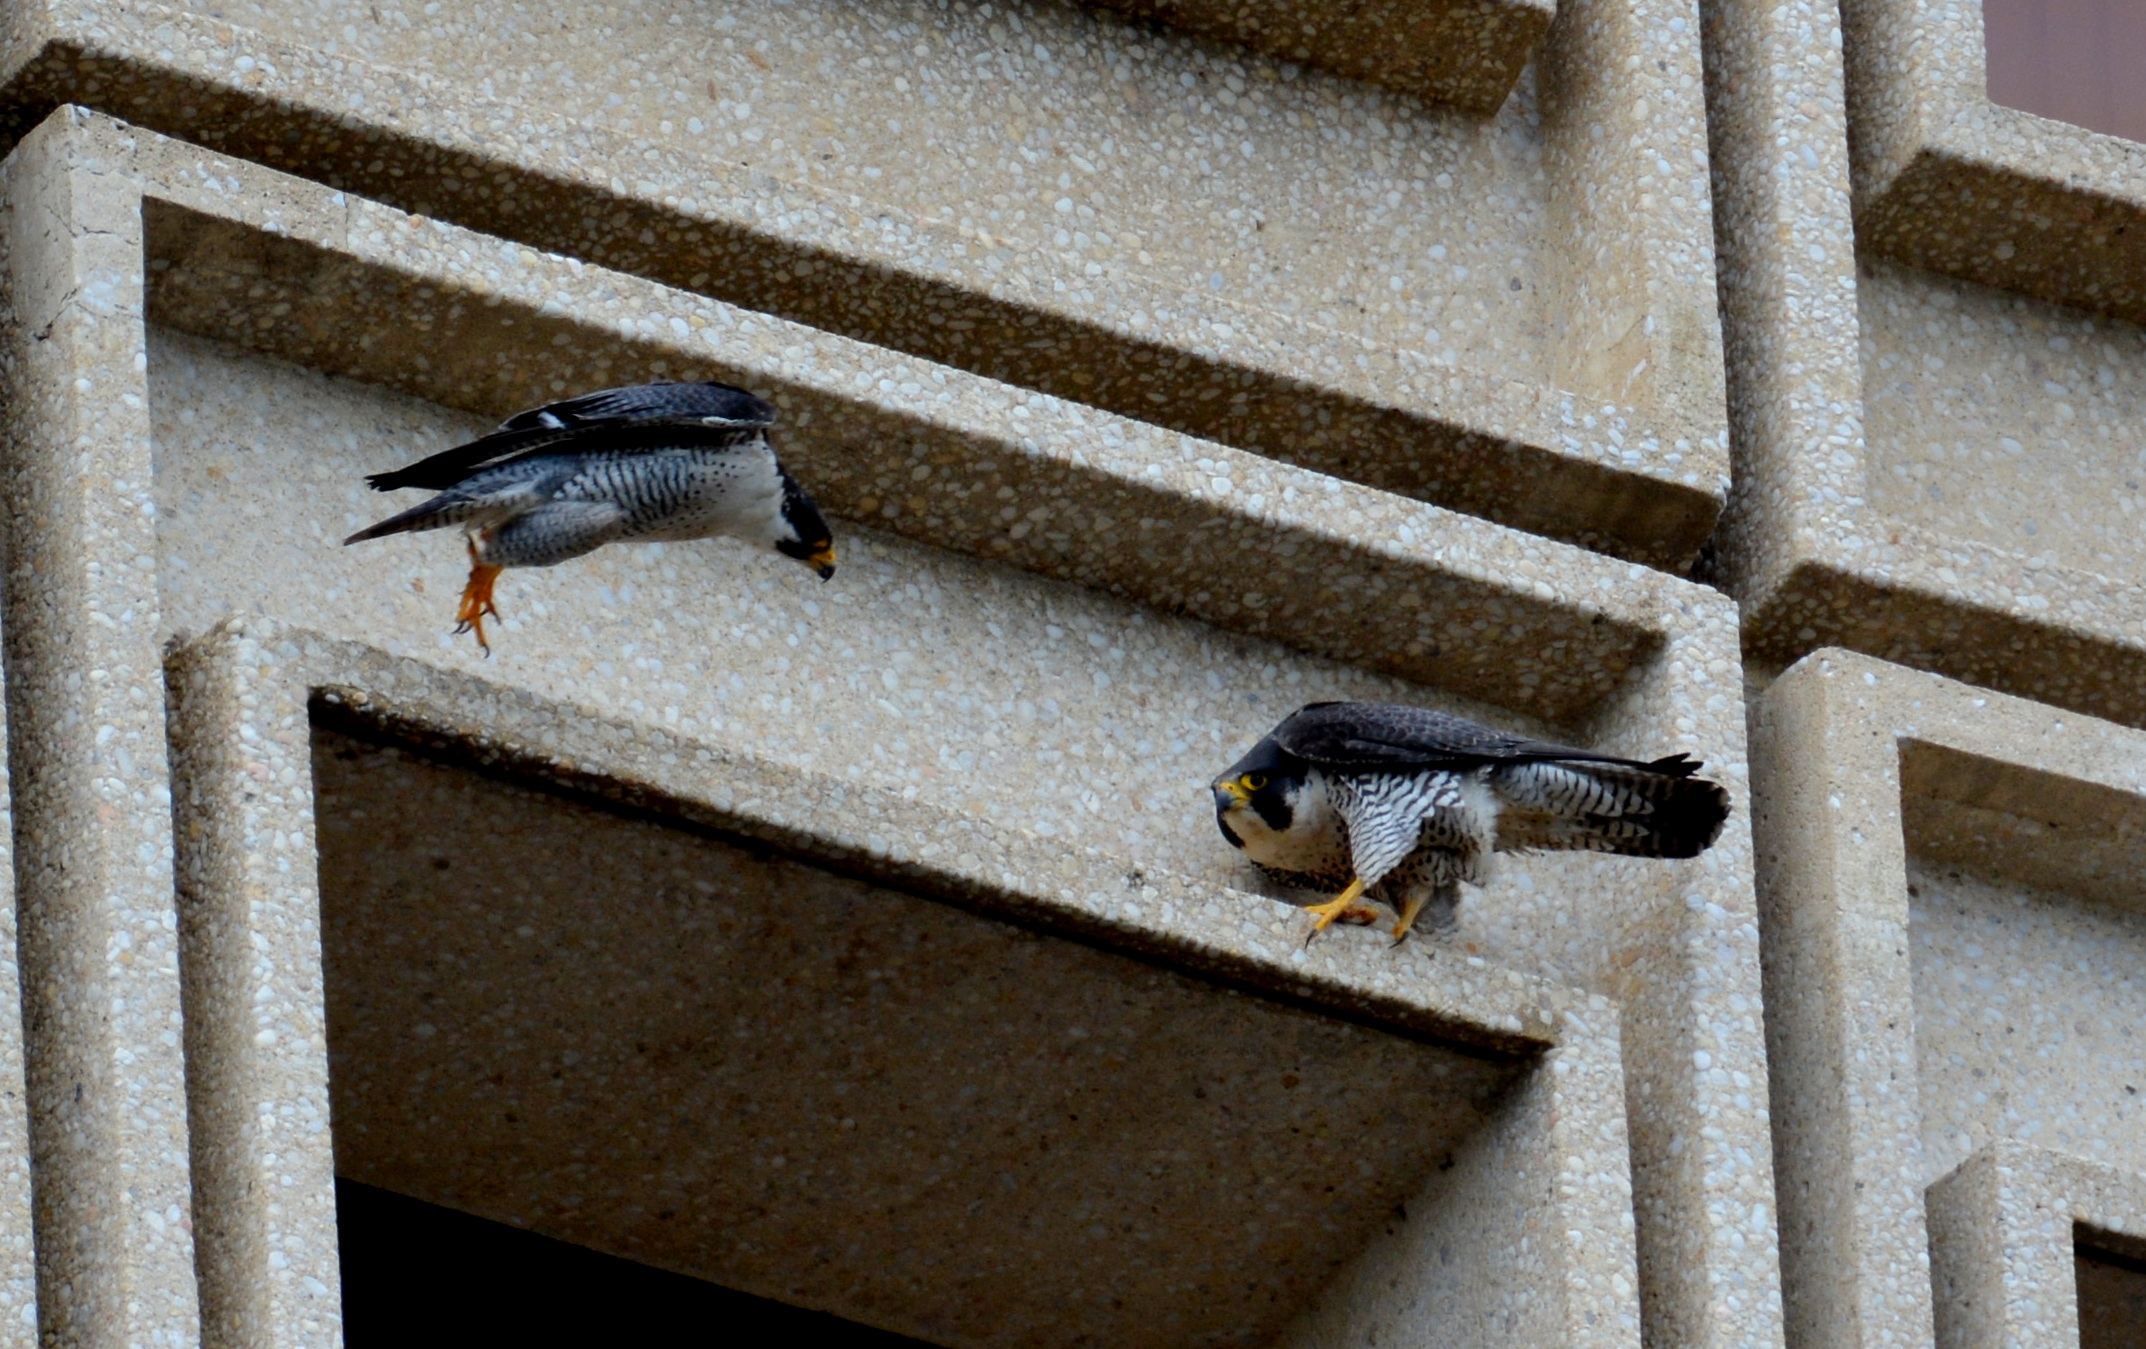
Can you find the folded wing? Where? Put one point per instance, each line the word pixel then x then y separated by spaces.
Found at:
pixel 623 418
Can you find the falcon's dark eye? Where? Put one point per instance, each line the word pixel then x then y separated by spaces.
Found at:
pixel 1253 781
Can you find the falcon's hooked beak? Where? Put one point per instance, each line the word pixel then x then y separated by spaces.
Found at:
pixel 822 559
pixel 1231 797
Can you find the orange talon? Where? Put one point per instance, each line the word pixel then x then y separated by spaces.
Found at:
pixel 477 599
pixel 1345 908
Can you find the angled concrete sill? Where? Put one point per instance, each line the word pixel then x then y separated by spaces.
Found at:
pixel 1515 320
pixel 2020 1245
pixel 1047 627
pixel 1949 880
pixel 633 1033
pixel 1468 53
pixel 1949 181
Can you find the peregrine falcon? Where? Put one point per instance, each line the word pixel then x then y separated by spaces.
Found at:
pixel 644 462
pixel 1408 803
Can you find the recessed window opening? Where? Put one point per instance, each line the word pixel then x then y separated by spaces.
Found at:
pixel 2112 1289
pixel 2076 61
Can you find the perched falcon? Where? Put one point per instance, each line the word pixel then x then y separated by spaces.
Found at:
pixel 1408 803
pixel 646 462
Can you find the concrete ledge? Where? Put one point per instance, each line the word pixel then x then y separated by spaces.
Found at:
pixel 1881 789
pixel 1465 52
pixel 241 730
pixel 1949 181
pixel 1558 370
pixel 2005 1234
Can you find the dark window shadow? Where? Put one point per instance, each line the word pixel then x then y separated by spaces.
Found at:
pixel 416 1274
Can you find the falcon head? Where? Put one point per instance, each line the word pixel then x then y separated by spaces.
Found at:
pixel 802 531
pixel 1257 801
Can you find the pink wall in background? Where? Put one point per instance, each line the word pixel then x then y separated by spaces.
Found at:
pixel 2078 61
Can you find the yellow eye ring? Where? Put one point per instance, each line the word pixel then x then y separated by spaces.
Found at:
pixel 1252 782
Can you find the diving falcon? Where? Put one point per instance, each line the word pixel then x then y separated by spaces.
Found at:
pixel 664 461
pixel 1405 803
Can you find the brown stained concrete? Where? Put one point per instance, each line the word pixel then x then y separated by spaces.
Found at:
pixel 1514 318
pixel 1953 925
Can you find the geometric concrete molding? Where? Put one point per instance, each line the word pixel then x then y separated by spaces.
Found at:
pixel 2003 1247
pixel 1845 527
pixel 243 783
pixel 1518 323
pixel 1464 52
pixel 1875 785
pixel 919 665
pixel 1949 181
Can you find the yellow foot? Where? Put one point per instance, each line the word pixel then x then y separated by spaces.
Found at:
pixel 477 599
pixel 1409 911
pixel 1345 906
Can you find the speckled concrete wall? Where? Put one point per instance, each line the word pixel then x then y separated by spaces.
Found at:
pixel 18 1274
pixel 1954 945
pixel 1069 318
pixel 1930 309
pixel 1510 315
pixel 2003 1254
pixel 284 328
pixel 1927 470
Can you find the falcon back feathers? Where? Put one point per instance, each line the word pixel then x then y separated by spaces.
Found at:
pixel 1417 801
pixel 643 462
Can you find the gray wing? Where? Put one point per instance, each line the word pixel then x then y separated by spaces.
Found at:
pixel 633 417
pixel 1389 735
pixel 706 403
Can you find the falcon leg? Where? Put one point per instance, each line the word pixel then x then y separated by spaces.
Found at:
pixel 1445 897
pixel 477 599
pixel 1341 907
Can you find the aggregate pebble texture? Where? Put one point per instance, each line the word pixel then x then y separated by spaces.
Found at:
pixel 18 1274
pixel 970 640
pixel 1950 880
pixel 256 1040
pixel 1464 52
pixel 104 1076
pixel 1949 181
pixel 1928 470
pixel 2005 1232
pixel 591 1017
pixel 1513 316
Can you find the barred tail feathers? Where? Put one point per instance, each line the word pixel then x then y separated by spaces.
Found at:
pixel 448 508
pixel 1634 810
